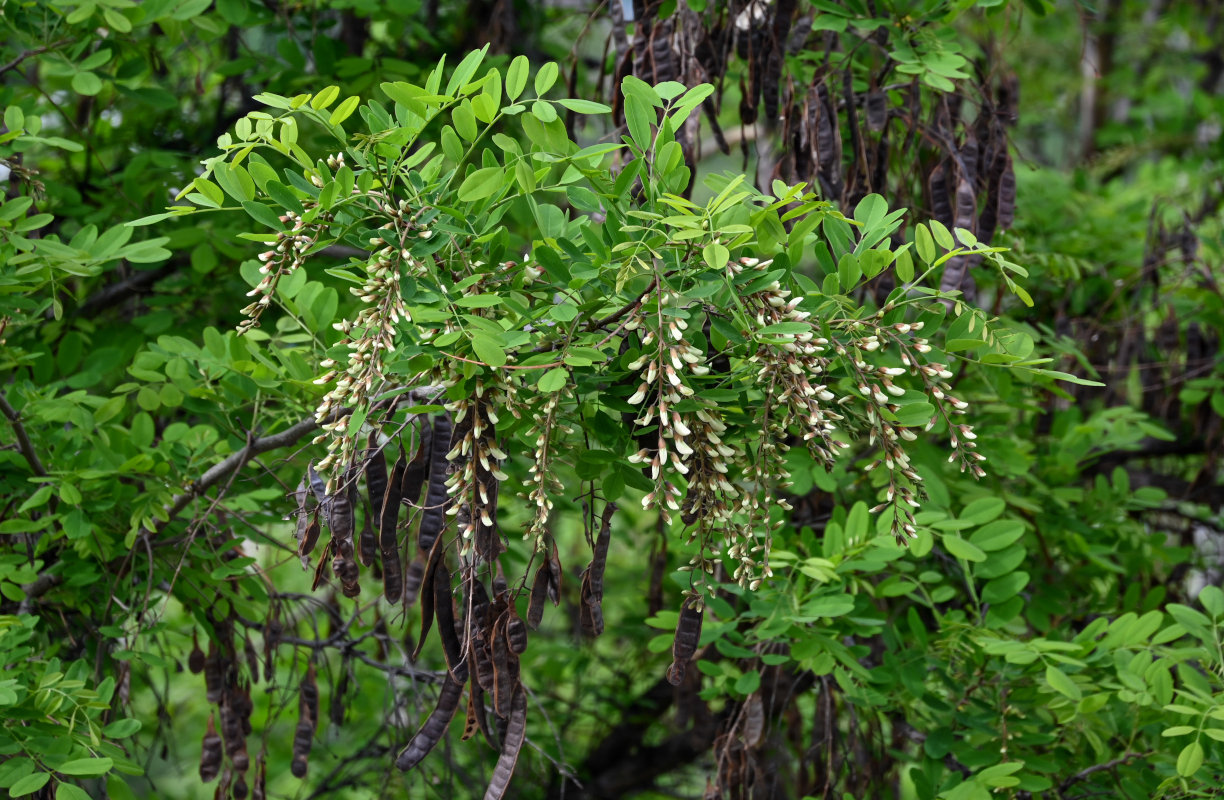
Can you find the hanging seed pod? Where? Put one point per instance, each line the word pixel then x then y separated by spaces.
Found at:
pixel 195 660
pixel 590 608
pixel 231 732
pixel 505 669
pixel 240 790
pixel 437 499
pixel 688 634
pixel 214 674
pixel 412 580
pixel 417 470
pixel 428 595
pixel 300 497
pixel 376 491
pixel 470 722
pixel 444 608
pixel 223 787
pixel 599 559
pixel 434 728
pixel 516 633
pixel 539 593
pixel 512 743
pixel 310 535
pixel 317 485
pixel 210 757
pixel 554 578
pixel 308 715
pixel 388 541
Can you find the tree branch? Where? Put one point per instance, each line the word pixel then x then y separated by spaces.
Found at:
pixel 24 446
pixel 1085 773
pixel 37 51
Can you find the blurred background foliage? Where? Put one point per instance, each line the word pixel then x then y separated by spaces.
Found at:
pixel 1056 632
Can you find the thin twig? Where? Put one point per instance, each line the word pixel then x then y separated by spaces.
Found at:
pixel 37 51
pixel 24 446
pixel 1083 774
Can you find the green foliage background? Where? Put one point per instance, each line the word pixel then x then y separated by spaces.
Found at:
pixel 1054 630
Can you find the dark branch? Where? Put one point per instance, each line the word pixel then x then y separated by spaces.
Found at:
pixel 37 51
pixel 24 446
pixel 1085 773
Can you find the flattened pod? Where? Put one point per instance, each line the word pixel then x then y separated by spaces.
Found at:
pixel 214 674
pixel 210 758
pixel 195 661
pixel 300 497
pixel 434 728
pixel 444 608
pixel 516 634
pixel 317 484
pixel 433 519
pixel 590 610
pixel 512 743
pixel 375 475
pixel 599 559
pixel 688 634
pixel 412 580
pixel 308 716
pixel 367 543
pixel 310 536
pixel 539 593
pixel 388 541
pixel 427 595
pixel 417 471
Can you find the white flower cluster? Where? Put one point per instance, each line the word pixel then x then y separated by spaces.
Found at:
pixel 285 257
pixel 368 338
pixel 476 470
pixel 543 481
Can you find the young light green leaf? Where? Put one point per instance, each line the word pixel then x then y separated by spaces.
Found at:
pixel 481 184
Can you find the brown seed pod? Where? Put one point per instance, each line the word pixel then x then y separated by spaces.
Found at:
pixel 590 608
pixel 210 757
pixel 231 731
pixel 412 580
pixel 214 673
pixel 599 560
pixel 434 728
pixel 516 633
pixel 388 541
pixel 428 596
pixel 444 608
pixel 195 661
pixel 512 743
pixel 308 716
pixel 437 499
pixel 336 709
pixel 310 536
pixel 688 635
pixel 376 491
pixel 417 470
pixel 300 497
pixel 539 593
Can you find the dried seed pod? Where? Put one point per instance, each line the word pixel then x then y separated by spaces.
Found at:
pixel 231 732
pixel 240 789
pixel 444 608
pixel 317 484
pixel 195 661
pixel 214 673
pixel 437 499
pixel 367 543
pixel 516 633
pixel 470 723
pixel 688 634
pixel 210 757
pixel 310 536
pixel 308 716
pixel 412 580
pixel 428 596
pixel 300 497
pixel 512 743
pixel 434 728
pixel 539 593
pixel 376 489
pixel 388 541
pixel 590 608
pixel 554 578
pixel 505 669
pixel 417 471
pixel 599 559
